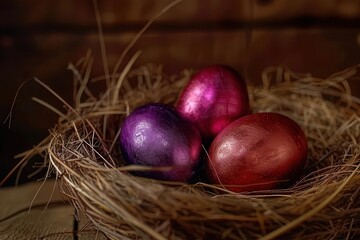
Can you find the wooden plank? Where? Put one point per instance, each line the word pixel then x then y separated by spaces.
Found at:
pixel 81 13
pixel 12 203
pixel 320 52
pixel 54 222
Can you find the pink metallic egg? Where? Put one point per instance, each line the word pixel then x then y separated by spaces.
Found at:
pixel 257 152
pixel 213 98
pixel 157 135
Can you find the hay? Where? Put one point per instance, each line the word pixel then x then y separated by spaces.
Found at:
pixel 324 204
pixel 83 151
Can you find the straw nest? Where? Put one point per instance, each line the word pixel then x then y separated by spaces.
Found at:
pixel 324 204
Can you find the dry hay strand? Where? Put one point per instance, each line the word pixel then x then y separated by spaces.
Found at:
pixel 324 204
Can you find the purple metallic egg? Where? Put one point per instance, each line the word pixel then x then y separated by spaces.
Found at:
pixel 213 98
pixel 156 135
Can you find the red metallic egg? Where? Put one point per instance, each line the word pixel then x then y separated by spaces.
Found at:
pixel 257 152
pixel 213 98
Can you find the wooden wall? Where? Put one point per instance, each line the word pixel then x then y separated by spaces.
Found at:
pixel 39 38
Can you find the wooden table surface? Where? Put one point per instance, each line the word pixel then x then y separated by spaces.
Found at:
pixel 55 221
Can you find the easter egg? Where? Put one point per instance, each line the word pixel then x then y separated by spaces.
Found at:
pixel 260 151
pixel 156 135
pixel 213 98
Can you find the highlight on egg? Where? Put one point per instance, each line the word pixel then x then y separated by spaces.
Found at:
pixel 213 98
pixel 156 135
pixel 260 151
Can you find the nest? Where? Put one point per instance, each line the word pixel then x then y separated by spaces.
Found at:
pixel 323 204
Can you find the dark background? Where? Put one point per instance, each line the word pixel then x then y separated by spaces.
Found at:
pixel 39 38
